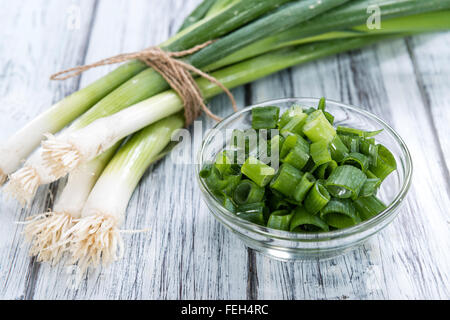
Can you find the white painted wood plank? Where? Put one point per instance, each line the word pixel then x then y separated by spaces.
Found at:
pixel 431 61
pixel 37 40
pixel 423 228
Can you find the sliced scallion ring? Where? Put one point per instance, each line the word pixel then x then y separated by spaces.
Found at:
pixel 340 213
pixel 345 182
pixel 303 221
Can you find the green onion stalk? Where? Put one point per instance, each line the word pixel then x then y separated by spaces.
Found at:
pixel 96 238
pixel 104 210
pixel 24 183
pixel 200 12
pixel 48 232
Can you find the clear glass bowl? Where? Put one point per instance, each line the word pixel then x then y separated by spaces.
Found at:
pixel 288 245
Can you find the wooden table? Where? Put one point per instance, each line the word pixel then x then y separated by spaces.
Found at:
pixel 188 255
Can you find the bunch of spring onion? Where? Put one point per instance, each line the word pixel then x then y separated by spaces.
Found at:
pixel 328 179
pixel 145 83
pixel 134 97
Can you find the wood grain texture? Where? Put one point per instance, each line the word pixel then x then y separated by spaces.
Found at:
pixel 189 255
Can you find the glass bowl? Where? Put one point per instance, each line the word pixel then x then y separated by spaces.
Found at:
pixel 288 245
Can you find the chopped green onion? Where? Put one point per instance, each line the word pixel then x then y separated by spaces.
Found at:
pixel 322 104
pixel 295 125
pixel 289 143
pixel 370 187
pixel 298 155
pixel 258 171
pixel 275 145
pixel 317 198
pixel 320 152
pixel 329 117
pixel 370 149
pixel 229 204
pixel 303 221
pixel 223 161
pixel 286 179
pixel 303 187
pixel 340 213
pixel 369 207
pixel 318 128
pixel 288 115
pixel 253 212
pixel 338 149
pixel 248 192
pixel 231 181
pixel 351 142
pixel 357 160
pixel 385 163
pixel 206 170
pixel 345 182
pixel 265 117
pixel 277 201
pixel 280 220
pixel 325 170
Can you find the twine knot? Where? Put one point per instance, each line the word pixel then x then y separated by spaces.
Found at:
pixel 177 73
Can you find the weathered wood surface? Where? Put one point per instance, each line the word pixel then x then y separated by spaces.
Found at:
pixel 189 255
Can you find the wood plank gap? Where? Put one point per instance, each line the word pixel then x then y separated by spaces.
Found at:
pixel 252 276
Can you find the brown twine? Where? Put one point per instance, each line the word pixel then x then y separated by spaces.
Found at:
pixel 176 72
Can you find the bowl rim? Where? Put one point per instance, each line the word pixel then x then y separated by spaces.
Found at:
pixel 310 236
